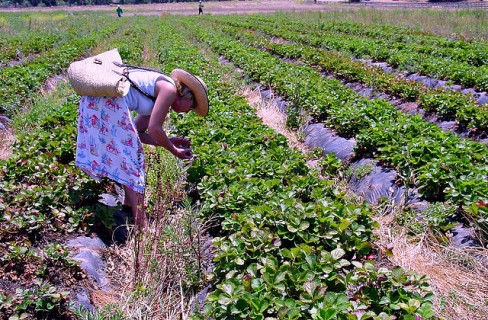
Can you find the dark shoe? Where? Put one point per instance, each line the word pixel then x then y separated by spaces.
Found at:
pixel 122 221
pixel 127 209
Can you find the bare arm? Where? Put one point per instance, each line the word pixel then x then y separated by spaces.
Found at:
pixel 141 123
pixel 165 96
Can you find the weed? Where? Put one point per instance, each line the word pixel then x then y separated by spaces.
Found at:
pixel 360 171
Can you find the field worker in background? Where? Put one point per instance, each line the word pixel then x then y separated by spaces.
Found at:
pixel 119 11
pixel 200 7
pixel 109 140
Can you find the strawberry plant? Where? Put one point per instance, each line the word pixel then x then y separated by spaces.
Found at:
pixel 41 301
pixel 438 217
pixel 287 238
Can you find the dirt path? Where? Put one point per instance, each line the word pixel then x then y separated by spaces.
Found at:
pixel 211 7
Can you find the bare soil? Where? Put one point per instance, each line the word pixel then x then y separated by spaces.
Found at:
pixel 6 140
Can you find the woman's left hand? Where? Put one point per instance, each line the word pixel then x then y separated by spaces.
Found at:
pixel 184 153
pixel 180 142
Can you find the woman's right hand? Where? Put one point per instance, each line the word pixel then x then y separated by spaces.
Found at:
pixel 184 153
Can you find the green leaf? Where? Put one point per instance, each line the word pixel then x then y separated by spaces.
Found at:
pixel 326 314
pixel 228 288
pixel 337 253
pixel 224 300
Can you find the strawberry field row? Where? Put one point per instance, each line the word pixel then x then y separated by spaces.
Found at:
pixel 405 59
pixel 30 41
pixel 444 165
pixel 448 105
pixel 44 196
pixel 291 245
pixel 23 45
pixel 471 51
pixel 19 82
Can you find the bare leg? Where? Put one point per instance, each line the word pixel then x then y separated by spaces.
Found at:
pixel 136 201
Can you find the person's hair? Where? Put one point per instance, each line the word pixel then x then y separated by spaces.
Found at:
pixel 183 90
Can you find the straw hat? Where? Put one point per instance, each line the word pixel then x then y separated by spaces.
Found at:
pixel 197 87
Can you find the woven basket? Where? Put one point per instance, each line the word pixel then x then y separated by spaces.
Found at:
pixel 98 76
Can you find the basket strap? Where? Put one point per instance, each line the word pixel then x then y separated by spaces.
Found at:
pixel 135 86
pixel 130 66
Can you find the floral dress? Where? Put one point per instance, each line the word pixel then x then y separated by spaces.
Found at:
pixel 108 144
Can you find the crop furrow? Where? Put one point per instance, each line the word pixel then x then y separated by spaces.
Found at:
pixel 460 72
pixel 444 164
pixel 472 119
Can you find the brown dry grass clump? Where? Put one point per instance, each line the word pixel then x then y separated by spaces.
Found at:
pixel 268 111
pixel 458 277
pixel 159 273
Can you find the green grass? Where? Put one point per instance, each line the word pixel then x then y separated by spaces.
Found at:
pixel 42 107
pixel 460 23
